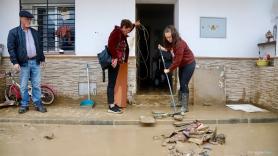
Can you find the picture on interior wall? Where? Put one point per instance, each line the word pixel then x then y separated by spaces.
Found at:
pixel 213 27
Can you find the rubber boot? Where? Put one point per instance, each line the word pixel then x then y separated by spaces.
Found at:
pixel 184 102
pixel 178 99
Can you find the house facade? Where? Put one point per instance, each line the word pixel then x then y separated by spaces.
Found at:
pixel 223 34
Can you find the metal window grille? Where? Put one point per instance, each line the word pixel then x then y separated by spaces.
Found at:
pixel 55 22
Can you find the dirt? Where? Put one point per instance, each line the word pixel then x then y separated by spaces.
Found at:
pixel 76 140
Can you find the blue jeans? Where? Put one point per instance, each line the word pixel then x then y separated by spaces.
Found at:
pixel 32 71
pixel 185 74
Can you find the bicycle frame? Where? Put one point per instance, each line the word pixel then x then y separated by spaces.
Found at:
pixel 15 87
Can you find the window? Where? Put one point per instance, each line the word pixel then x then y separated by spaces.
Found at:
pixel 55 22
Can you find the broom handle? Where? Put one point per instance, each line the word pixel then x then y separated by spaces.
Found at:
pixel 88 79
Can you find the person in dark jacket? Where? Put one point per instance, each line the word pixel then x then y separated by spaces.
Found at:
pixel 119 51
pixel 26 55
pixel 183 59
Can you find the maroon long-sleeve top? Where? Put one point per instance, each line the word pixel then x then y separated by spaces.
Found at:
pixel 118 46
pixel 183 55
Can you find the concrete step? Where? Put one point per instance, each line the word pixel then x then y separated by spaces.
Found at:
pixel 88 121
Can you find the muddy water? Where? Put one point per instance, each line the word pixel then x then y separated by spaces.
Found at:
pixel 76 140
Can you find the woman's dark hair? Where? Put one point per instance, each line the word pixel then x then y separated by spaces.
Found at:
pixel 175 36
pixel 126 23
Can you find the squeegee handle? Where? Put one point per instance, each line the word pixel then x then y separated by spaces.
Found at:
pixel 170 88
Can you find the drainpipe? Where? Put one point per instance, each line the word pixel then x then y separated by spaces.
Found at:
pixel 1 52
pixel 274 12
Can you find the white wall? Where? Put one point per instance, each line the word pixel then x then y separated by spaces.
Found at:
pixel 96 19
pixel 9 18
pixel 247 22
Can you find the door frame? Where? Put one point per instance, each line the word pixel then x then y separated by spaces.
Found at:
pixel 176 24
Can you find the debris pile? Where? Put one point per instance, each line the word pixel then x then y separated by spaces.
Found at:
pixel 192 132
pixel 160 115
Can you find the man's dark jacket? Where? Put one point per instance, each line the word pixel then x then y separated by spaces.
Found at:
pixel 17 46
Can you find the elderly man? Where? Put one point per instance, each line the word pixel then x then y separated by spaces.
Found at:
pixel 26 55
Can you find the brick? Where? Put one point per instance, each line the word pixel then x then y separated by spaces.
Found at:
pixel 243 80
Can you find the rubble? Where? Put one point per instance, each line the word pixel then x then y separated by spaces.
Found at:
pixel 178 117
pixel 191 132
pixel 49 137
pixel 181 149
pixel 204 153
pixel 221 139
pixel 160 115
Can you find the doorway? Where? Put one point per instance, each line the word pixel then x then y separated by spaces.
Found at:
pixel 150 76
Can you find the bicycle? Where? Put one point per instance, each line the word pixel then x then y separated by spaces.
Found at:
pixel 13 96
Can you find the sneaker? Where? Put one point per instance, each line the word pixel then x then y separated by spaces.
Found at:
pixel 23 110
pixel 120 108
pixel 114 110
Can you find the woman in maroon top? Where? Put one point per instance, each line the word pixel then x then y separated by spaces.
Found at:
pixel 119 51
pixel 183 59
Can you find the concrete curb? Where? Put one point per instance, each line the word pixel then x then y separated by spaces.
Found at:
pixel 79 121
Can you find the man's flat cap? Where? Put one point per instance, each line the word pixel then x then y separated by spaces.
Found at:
pixel 24 13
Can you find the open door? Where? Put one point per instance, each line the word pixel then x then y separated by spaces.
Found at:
pixel 150 76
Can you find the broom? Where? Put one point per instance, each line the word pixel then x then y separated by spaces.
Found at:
pixel 87 102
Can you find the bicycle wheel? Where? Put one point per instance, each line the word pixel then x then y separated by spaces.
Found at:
pixel 47 96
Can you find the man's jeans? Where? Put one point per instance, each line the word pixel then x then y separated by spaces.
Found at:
pixel 32 71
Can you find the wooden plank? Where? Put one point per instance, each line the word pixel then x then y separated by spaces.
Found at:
pixel 120 90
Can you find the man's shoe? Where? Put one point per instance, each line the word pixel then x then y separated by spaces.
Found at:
pixel 23 110
pixel 41 109
pixel 114 110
